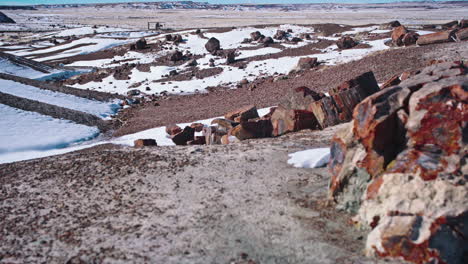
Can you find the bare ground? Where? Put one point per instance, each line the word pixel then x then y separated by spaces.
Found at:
pixel 195 204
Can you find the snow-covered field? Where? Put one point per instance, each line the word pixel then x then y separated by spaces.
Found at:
pixel 24 131
pixel 97 108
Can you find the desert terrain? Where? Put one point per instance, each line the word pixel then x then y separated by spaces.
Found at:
pixel 234 133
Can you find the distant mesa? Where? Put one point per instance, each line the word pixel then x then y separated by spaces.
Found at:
pixel 5 19
pixel 11 7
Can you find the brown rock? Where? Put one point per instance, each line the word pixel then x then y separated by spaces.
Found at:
pixel 267 40
pixel 463 23
pixel 177 56
pixel 398 34
pixel 410 38
pixel 290 120
pixel 185 136
pixel 253 128
pixel 390 25
pixel 177 38
pixel 438 37
pixel 197 126
pixel 224 124
pixel 213 135
pixel 139 143
pixel 365 82
pixel 300 98
pixel 280 34
pixel 450 25
pixel 346 42
pixel 231 57
pixel 242 114
pixel 306 63
pixel 213 45
pixel 199 140
pixel 256 35
pixel 305 36
pixel 462 34
pixel 173 129
pixel 395 80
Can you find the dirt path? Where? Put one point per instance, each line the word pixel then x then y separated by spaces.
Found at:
pixel 179 109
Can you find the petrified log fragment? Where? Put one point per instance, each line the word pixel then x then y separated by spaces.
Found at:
pixel 438 37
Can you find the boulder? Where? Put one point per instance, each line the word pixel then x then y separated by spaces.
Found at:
pixel 213 45
pixel 246 40
pixel 296 39
pixel 438 37
pixel 197 126
pixel 291 120
pixel 400 166
pixel 306 63
pixel 242 114
pixel 462 34
pixel 300 98
pixel 213 135
pixel 346 42
pixel 173 130
pixel 280 34
pixel 192 63
pixel 139 143
pixel 450 25
pixel 267 40
pixel 224 124
pixel 253 128
pixel 176 56
pixel 184 136
pixel 177 38
pixel 199 140
pixel 5 19
pixel 168 37
pixel 397 35
pixel 410 38
pixel 140 44
pixel 463 23
pixel 255 36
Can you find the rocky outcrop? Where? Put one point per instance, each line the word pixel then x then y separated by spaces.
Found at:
pixel 5 19
pixel 306 63
pixel 400 166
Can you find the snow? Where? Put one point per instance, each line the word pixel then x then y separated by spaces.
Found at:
pixel 86 31
pixel 360 29
pixel 310 158
pixel 101 109
pixel 92 44
pixel 6 66
pixel 251 53
pixel 30 131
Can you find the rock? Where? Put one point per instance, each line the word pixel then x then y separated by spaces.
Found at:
pixel 139 143
pixel 133 92
pixel 231 57
pixel 224 124
pixel 197 126
pixel 213 135
pixel 192 63
pixel 450 25
pixel 198 31
pixel 438 37
pixel 141 44
pixel 199 140
pixel 296 39
pixel 410 38
pixel 463 23
pixel 301 98
pixel 173 73
pixel 397 35
pixel 267 40
pixel 280 34
pixel 5 19
pixel 254 128
pixel 244 82
pixel 290 30
pixel 176 56
pixel 305 36
pixel 168 37
pixel 242 114
pixel 462 34
pixel 184 136
pixel 228 139
pixel 213 45
pixel 246 40
pixel 390 25
pixel 173 130
pixel 256 35
pixel 306 63
pixel 338 108
pixel 177 39
pixel 290 120
pixel 401 167
pixel 346 43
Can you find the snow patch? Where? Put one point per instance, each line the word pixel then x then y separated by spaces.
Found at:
pixel 311 158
